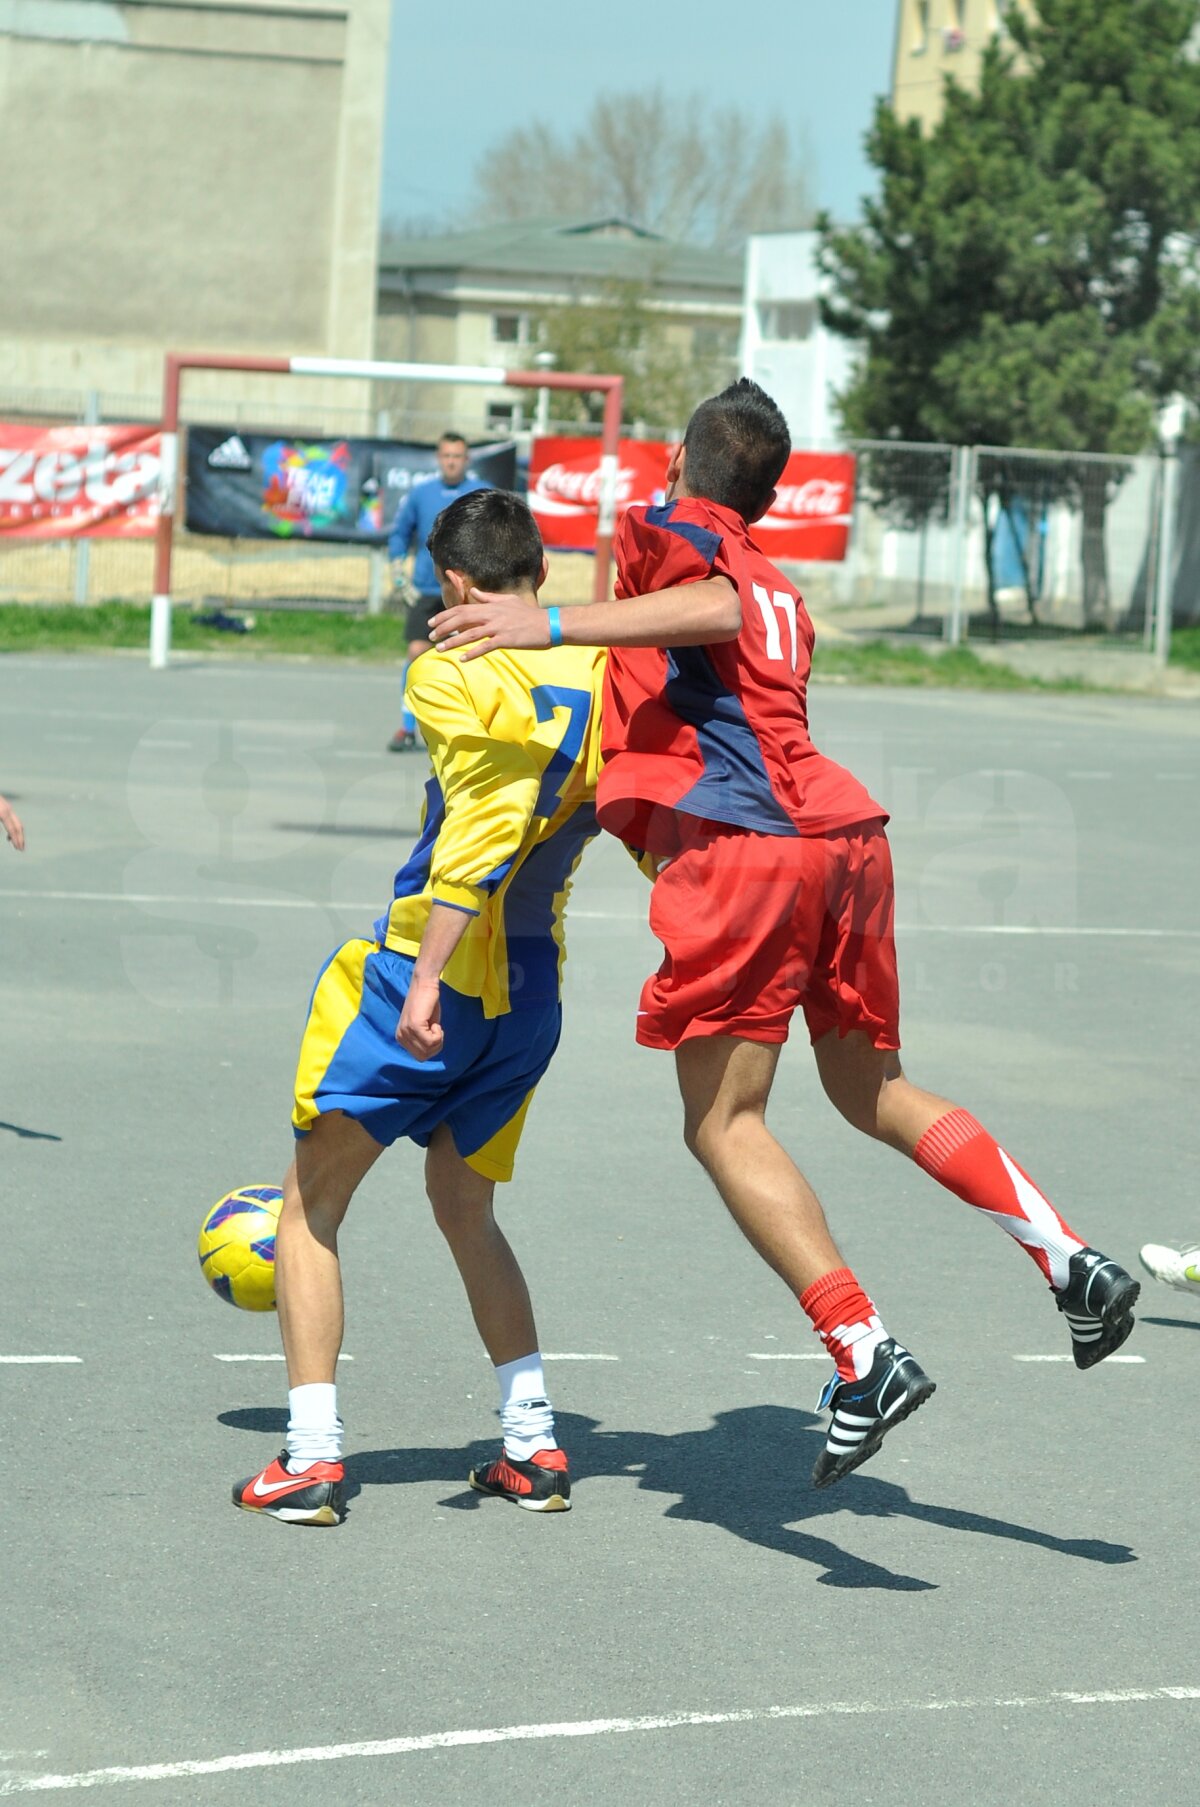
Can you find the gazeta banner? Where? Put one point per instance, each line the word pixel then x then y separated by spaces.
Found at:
pixel 809 520
pixel 70 482
pixel 273 486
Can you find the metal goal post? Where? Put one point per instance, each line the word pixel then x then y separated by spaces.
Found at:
pixel 612 388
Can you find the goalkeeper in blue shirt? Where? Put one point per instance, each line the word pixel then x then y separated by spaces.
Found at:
pixel 413 525
pixel 439 1025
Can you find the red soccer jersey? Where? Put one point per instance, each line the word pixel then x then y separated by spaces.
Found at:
pixel 719 732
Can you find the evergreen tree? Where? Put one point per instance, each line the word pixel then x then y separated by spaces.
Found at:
pixel 1028 275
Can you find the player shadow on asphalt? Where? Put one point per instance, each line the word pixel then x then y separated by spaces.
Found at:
pixel 1171 1323
pixel 30 1135
pixel 747 1473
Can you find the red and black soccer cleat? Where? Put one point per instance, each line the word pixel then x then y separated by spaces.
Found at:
pixel 540 1485
pixel 311 1498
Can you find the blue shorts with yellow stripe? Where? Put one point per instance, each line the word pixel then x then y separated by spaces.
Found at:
pixel 480 1085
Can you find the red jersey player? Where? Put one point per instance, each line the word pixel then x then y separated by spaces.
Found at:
pixel 774 891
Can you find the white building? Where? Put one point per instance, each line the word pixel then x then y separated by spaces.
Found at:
pixel 784 345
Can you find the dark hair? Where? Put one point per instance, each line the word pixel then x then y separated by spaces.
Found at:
pixel 450 438
pixel 492 537
pixel 737 444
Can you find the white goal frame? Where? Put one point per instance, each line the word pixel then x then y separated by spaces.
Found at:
pixel 170 488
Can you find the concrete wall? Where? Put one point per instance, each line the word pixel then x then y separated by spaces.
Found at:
pixel 193 175
pixel 452 322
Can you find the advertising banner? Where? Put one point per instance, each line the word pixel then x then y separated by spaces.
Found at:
pixel 809 519
pixel 68 482
pixel 271 486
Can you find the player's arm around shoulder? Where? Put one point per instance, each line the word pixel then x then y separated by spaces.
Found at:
pixel 700 613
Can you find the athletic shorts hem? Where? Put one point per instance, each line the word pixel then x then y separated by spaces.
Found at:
pixel 489 1169
pixel 886 1040
pixel 743 1032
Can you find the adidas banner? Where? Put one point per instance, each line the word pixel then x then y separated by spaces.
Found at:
pixel 274 486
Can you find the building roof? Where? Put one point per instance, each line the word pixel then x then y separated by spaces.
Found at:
pixel 602 250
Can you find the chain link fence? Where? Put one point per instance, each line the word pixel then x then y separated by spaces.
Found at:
pixel 208 570
pixel 953 542
pixel 989 542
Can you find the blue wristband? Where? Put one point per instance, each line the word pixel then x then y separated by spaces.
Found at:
pixel 555 620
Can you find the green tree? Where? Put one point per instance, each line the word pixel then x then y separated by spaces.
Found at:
pixel 619 334
pixel 1028 275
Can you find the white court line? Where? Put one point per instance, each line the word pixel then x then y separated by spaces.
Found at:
pixel 1089 775
pixel 372 905
pixel 1071 1358
pixel 1002 928
pixel 580 1358
pixel 265 1358
pixel 811 1355
pixel 574 1728
pixel 18 1360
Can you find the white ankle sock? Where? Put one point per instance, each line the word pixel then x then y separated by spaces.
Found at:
pixel 525 1414
pixel 314 1432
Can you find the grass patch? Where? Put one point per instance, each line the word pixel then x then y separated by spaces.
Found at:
pixel 125 624
pixel 30 628
pixel 880 662
pixel 1185 648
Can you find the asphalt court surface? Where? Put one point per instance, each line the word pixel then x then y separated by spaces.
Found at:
pixel 999 1608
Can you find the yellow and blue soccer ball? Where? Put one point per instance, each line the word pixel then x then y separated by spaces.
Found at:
pixel 237 1247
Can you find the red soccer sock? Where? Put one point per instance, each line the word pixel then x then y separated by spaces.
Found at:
pixel 958 1153
pixel 845 1320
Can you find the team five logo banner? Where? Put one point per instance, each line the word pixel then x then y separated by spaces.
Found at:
pixel 279 486
pixel 809 519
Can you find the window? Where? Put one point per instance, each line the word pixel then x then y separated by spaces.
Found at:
pixel 504 417
pixel 787 319
pixel 921 28
pixel 715 342
pixel 510 329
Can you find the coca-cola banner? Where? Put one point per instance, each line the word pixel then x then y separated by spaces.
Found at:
pixel 279 486
pixel 808 521
pixel 67 482
pixel 564 486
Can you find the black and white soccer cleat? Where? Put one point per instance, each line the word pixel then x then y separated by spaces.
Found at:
pixel 865 1410
pixel 1097 1302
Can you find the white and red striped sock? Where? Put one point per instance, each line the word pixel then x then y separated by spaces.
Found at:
pixel 845 1320
pixel 958 1153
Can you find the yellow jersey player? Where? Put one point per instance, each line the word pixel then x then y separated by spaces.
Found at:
pixel 439 1027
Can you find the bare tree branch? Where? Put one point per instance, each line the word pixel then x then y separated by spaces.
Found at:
pixel 673 165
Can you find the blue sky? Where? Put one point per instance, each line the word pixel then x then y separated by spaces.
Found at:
pixel 462 72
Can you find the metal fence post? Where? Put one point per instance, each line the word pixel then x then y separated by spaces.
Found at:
pixel 963 457
pixel 82 548
pixel 377 573
pixel 1165 575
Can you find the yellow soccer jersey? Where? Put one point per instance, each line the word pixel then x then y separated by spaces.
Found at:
pixel 515 743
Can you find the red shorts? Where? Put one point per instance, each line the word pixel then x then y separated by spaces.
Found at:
pixel 753 925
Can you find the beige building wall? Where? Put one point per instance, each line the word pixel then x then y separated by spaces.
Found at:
pixel 936 38
pixel 458 328
pixel 194 175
